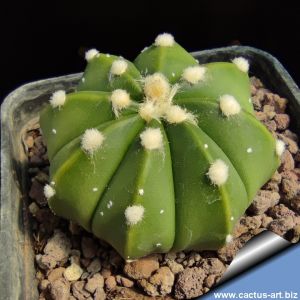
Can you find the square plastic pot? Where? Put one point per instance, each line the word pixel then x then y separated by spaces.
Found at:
pixel 20 111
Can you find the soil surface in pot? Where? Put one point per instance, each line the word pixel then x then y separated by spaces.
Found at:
pixel 72 264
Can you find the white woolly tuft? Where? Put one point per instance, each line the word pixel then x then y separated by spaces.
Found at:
pixel 176 114
pixel 157 87
pixel 229 238
pixel 280 147
pixel 218 172
pixel 134 214
pixel 148 111
pixel 152 139
pixel 120 99
pixel 90 54
pixel 229 105
pixel 92 140
pixel 241 63
pixel 194 74
pixel 118 67
pixel 164 40
pixel 49 191
pixel 58 99
pixel 141 192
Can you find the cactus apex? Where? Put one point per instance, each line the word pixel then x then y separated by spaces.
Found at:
pixel 229 105
pixel 280 147
pixel 194 74
pixel 90 54
pixel 156 87
pixel 58 99
pixel 148 111
pixel 152 138
pixel 134 214
pixel 49 191
pixel 218 172
pixel 118 67
pixel 92 140
pixel 120 99
pixel 164 40
pixel 241 63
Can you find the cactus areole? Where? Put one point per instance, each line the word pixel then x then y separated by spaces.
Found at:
pixel 160 154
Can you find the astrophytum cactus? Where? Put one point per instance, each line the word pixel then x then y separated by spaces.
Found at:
pixel 159 154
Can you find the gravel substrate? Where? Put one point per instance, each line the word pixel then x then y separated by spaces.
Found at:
pixel 72 264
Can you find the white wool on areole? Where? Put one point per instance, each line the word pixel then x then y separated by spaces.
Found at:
pixel 242 64
pixel 120 99
pixel 229 105
pixel 175 114
pixel 152 139
pixel 156 87
pixel 58 99
pixel 49 191
pixel 134 214
pixel 218 172
pixel 92 140
pixel 118 67
pixel 194 74
pixel 148 111
pixel 90 54
pixel 280 147
pixel 164 40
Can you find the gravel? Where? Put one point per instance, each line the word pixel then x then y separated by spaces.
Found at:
pixel 72 264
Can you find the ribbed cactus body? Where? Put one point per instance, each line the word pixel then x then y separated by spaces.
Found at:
pixel 157 155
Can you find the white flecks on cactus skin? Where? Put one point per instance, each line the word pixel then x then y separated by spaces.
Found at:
pixel 164 40
pixel 194 74
pixel 83 79
pixel 280 147
pixel 109 204
pixel 118 67
pixel 52 183
pixel 250 100
pixel 92 140
pixel 49 191
pixel 95 189
pixel 120 99
pixel 218 172
pixel 134 214
pixel 157 87
pixel 249 150
pixel 141 192
pixel 90 54
pixel 205 146
pixel 54 131
pixel 173 74
pixel 229 105
pixel 161 211
pixel 101 213
pixel 232 218
pixel 158 245
pixel 152 139
pixel 58 99
pixel 107 55
pixel 241 63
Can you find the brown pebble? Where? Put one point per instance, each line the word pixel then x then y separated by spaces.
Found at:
pixel 210 281
pixel 212 266
pixel 78 290
pixel 94 282
pixel 278 211
pixel 189 283
pixel 287 161
pixel 282 121
pixel 55 274
pixel 60 289
pixel 99 294
pixel 36 193
pixel 290 187
pixel 162 280
pixel 263 200
pixel 282 225
pixel 295 203
pixel 142 268
pixel 43 285
pixel 291 144
pixel 110 283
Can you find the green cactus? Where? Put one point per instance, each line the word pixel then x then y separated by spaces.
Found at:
pixel 158 154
